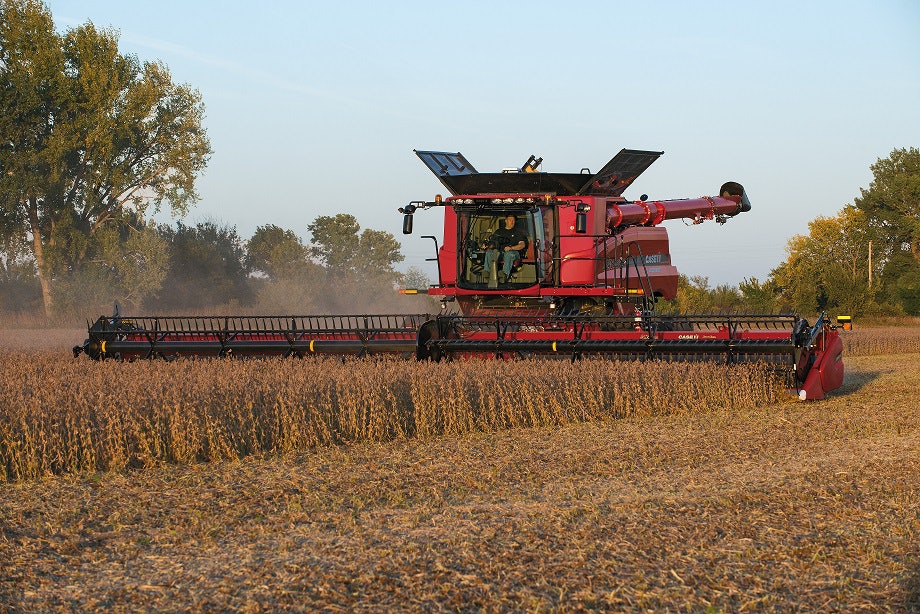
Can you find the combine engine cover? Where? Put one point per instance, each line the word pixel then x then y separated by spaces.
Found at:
pixel 541 265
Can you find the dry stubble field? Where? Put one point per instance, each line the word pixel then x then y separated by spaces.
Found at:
pixel 782 506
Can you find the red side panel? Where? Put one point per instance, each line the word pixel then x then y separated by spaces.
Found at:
pixel 447 256
pixel 826 372
pixel 832 365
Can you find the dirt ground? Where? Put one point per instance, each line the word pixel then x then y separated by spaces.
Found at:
pixel 792 507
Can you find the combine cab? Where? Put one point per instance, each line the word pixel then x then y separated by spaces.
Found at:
pixel 539 265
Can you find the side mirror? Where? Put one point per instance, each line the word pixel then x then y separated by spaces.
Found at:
pixel 408 210
pixel 581 222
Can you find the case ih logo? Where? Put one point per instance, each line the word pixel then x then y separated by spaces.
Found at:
pixel 688 336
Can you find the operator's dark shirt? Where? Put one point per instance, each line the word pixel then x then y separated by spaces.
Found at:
pixel 504 237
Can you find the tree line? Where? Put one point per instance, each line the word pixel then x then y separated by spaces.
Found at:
pixel 865 260
pixel 208 266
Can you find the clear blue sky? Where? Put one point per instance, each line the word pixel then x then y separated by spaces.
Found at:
pixel 314 108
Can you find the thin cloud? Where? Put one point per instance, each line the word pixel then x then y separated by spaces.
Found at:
pixel 168 48
pixel 165 48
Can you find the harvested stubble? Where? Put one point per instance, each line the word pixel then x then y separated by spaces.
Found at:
pixel 59 416
pixel 795 507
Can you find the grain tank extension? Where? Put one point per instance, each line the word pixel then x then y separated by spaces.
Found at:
pixel 582 277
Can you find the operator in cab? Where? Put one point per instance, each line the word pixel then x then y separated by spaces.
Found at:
pixel 505 245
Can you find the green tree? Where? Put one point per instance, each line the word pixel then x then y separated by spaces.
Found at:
pixel 892 201
pixel 891 204
pixel 31 65
pixel 894 290
pixel 378 253
pixel 127 262
pixel 907 290
pixel 87 133
pixel 292 283
pixel 416 279
pixel 757 296
pixel 828 268
pixel 694 294
pixel 276 252
pixel 207 267
pixel 370 255
pixel 358 265
pixel 335 241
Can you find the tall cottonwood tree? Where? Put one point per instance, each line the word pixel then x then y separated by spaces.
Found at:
pixel 87 133
pixel 892 201
pixel 891 204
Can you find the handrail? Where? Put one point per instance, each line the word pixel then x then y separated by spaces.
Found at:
pixel 645 282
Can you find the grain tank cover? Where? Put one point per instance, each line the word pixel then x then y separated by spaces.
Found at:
pixel 619 173
pixel 445 163
pixel 460 177
pixel 515 183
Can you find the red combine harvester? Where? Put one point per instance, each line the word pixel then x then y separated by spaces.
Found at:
pixel 540 265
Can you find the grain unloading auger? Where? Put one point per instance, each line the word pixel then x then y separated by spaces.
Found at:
pixel 585 267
